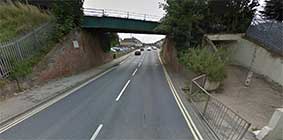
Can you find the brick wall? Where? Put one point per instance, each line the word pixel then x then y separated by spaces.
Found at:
pixel 64 59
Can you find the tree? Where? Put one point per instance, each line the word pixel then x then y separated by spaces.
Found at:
pixel 233 16
pixel 114 39
pixel 181 21
pixel 273 10
pixel 187 20
pixel 68 15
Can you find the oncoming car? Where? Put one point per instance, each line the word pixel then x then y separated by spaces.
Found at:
pixel 137 53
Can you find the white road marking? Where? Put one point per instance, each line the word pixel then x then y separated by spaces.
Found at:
pixel 122 62
pixel 96 132
pixel 181 106
pixel 47 104
pixel 139 64
pixel 122 91
pixel 135 72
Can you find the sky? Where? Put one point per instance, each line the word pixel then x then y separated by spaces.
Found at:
pixel 138 6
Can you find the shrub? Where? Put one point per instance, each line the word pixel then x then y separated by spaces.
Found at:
pixel 68 15
pixel 201 61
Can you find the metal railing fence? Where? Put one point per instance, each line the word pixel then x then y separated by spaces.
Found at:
pixel 221 120
pixel 120 14
pixel 24 47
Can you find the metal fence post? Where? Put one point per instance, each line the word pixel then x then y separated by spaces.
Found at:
pixel 37 43
pixel 206 104
pixel 19 51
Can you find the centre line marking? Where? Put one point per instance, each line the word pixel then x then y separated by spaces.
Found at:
pixel 96 132
pixel 122 91
pixel 135 72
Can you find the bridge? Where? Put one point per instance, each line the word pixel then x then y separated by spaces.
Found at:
pixel 120 21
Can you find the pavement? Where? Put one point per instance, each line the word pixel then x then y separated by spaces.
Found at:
pixel 28 99
pixel 131 101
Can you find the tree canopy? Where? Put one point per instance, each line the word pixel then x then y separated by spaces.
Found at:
pixel 273 10
pixel 188 20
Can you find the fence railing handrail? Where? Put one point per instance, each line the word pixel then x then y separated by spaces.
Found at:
pixel 20 48
pixel 211 96
pixel 203 108
pixel 19 38
pixel 120 14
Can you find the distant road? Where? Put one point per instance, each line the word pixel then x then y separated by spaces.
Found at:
pixel 133 101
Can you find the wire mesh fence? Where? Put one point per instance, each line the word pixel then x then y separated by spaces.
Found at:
pixel 267 32
pixel 24 47
pixel 221 120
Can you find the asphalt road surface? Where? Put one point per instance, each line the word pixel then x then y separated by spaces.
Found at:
pixel 133 101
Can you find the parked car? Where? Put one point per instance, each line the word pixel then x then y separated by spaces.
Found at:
pixel 154 48
pixel 113 50
pixel 149 49
pixel 137 53
pixel 142 49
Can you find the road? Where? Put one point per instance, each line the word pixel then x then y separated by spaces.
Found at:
pixel 133 101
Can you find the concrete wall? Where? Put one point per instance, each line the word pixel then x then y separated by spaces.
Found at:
pixel 274 129
pixel 265 63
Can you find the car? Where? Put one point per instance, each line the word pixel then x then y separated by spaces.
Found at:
pixel 154 48
pixel 142 49
pixel 148 49
pixel 113 50
pixel 137 53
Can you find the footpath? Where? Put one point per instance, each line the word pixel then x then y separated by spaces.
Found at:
pixel 30 99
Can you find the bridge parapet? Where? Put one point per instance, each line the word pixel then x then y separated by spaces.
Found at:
pixel 120 14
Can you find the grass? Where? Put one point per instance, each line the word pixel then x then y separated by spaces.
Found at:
pixel 18 19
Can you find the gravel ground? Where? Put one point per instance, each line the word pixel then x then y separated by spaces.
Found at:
pixel 255 103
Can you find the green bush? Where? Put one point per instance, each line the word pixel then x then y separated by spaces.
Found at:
pixel 68 15
pixel 202 61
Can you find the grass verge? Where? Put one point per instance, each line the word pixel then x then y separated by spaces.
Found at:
pixel 18 19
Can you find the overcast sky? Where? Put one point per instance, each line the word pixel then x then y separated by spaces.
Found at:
pixel 138 6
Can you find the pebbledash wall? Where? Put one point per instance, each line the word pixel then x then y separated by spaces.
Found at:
pixel 252 55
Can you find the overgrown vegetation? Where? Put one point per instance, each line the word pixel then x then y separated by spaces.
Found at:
pixel 17 19
pixel 23 68
pixel 109 40
pixel 201 61
pixel 20 18
pixel 68 15
pixel 188 20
